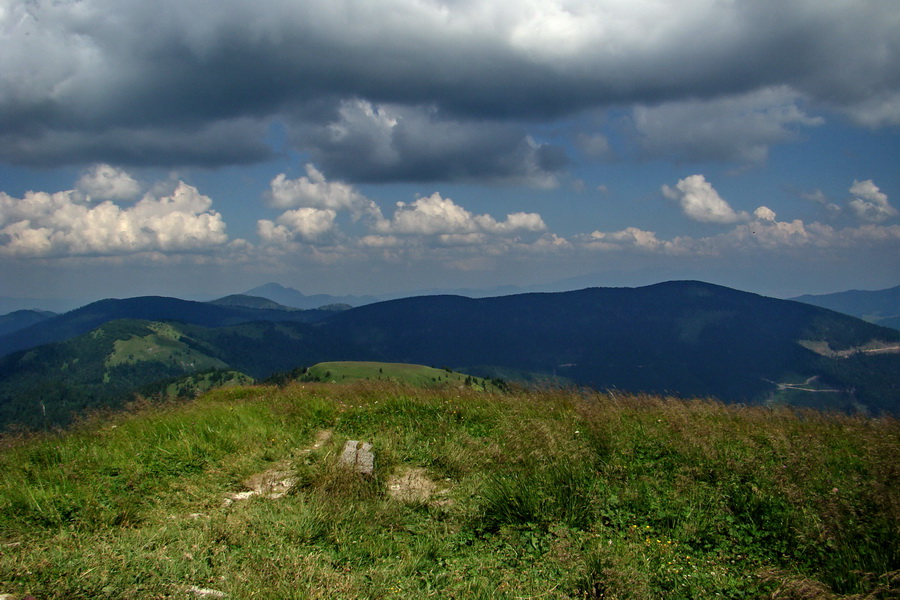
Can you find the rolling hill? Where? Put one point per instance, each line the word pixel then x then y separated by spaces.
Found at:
pixel 686 338
pixel 222 313
pixel 245 301
pixel 45 386
pixel 418 376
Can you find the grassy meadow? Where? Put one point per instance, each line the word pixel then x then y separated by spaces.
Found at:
pixel 418 376
pixel 524 494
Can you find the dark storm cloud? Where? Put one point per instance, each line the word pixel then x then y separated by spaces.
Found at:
pixel 394 143
pixel 213 144
pixel 94 72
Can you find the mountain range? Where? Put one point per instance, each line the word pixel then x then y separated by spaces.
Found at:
pixel 290 297
pixel 230 310
pixel 881 306
pixel 683 338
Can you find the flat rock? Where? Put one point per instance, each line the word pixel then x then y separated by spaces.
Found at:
pixel 358 455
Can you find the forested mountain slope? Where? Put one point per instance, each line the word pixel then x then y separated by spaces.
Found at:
pixel 689 339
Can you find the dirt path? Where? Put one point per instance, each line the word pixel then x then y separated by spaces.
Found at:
pixel 276 482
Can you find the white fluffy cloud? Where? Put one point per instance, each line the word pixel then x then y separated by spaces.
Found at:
pixel 870 203
pixel 304 224
pixel 434 215
pixel 764 213
pixel 628 238
pixel 762 234
pixel 66 224
pixel 313 191
pixel 701 202
pixel 429 221
pixel 436 228
pixel 104 182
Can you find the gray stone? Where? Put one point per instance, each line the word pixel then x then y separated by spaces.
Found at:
pixel 358 455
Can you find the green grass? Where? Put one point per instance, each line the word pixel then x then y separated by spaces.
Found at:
pixel 414 375
pixel 536 495
pixel 164 346
pixel 198 383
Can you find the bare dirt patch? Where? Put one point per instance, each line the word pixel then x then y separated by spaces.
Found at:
pixel 412 484
pixel 276 482
pixel 271 484
pixel 322 438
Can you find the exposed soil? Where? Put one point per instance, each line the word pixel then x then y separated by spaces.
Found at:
pixel 412 484
pixel 276 482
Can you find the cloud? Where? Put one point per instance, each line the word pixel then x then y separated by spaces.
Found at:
pixel 762 236
pixel 628 238
pixel 819 197
pixel 66 224
pixel 732 128
pixel 131 83
pixel 304 224
pixel 870 203
pixel 595 145
pixel 104 182
pixel 701 202
pixel 764 213
pixel 313 191
pixel 434 215
pixel 880 110
pixel 197 143
pixel 436 228
pixel 384 142
pixel 432 221
pixel 767 232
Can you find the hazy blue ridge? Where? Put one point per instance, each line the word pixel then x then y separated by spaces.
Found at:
pixel 150 308
pixel 879 306
pixel 296 299
pixel 21 319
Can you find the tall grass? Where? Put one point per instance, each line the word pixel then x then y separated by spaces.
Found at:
pixel 551 495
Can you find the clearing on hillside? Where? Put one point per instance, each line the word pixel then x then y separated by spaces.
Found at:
pixel 415 375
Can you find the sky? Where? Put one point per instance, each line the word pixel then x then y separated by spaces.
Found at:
pixel 197 148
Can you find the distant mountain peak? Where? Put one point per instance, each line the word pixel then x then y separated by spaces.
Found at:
pixel 272 286
pixel 288 296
